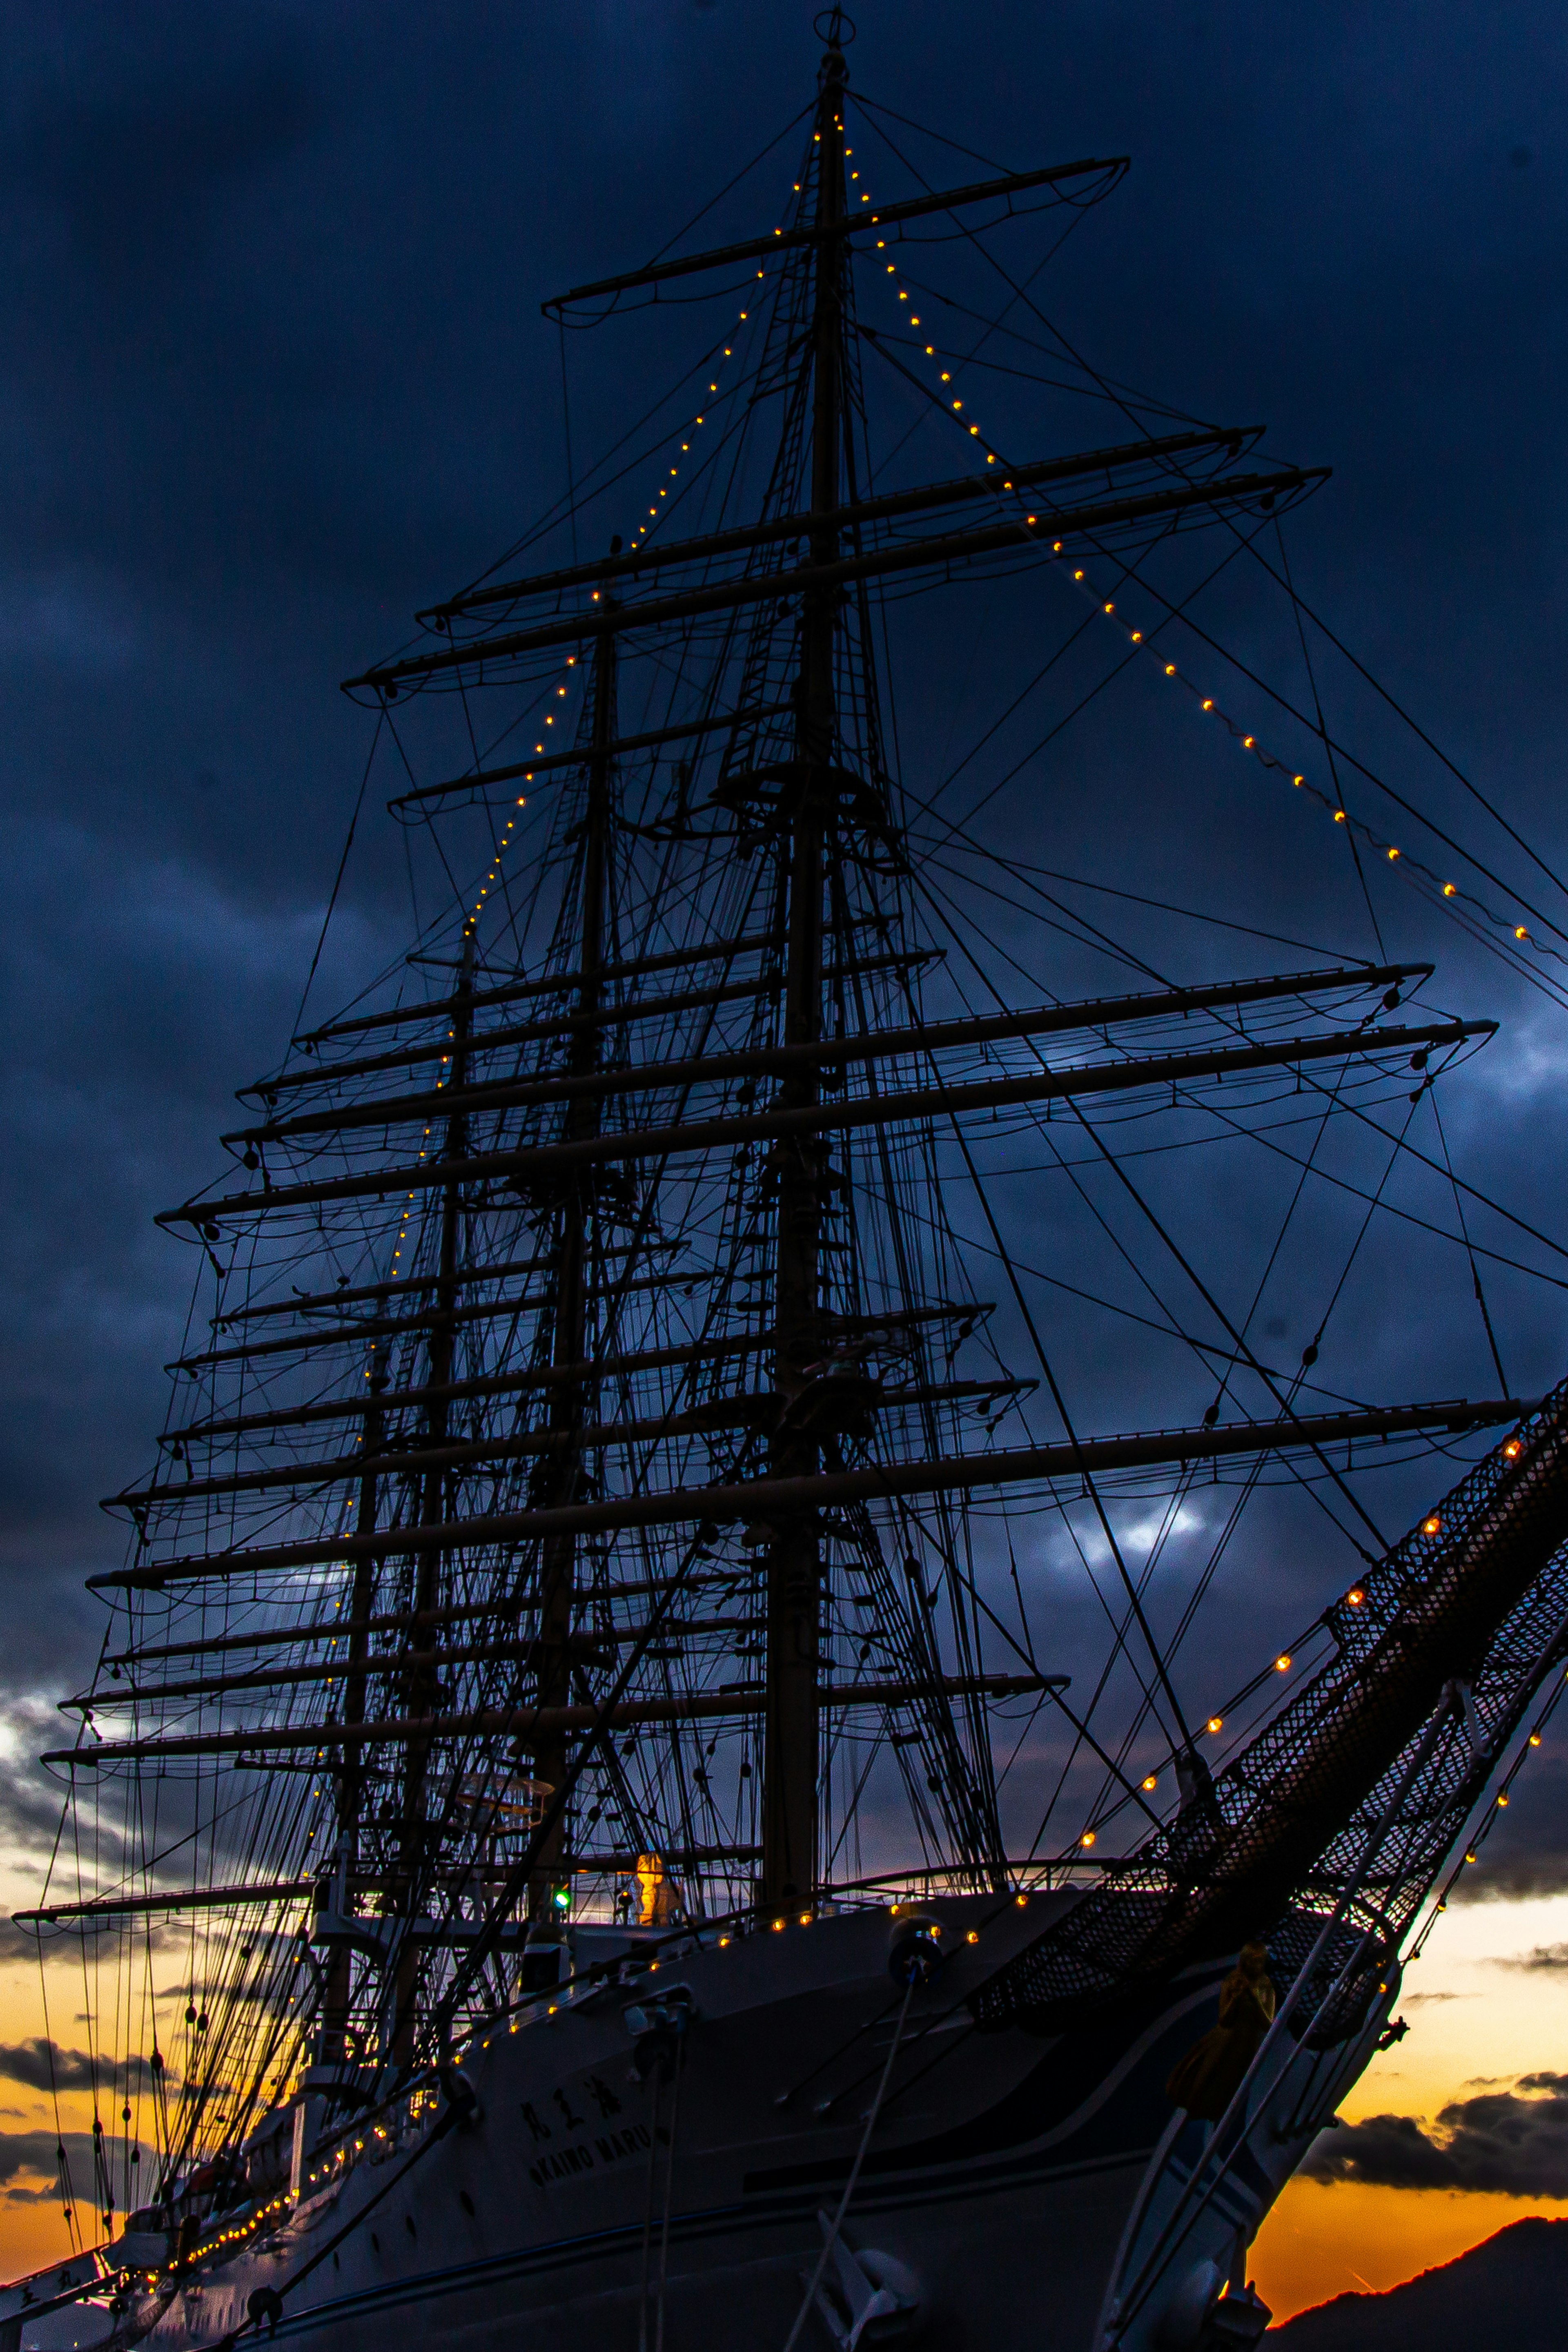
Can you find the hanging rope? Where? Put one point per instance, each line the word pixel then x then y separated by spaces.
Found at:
pixel 838 2220
pixel 669 2196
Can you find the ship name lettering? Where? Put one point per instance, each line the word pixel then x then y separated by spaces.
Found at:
pixel 612 2146
pixel 560 2167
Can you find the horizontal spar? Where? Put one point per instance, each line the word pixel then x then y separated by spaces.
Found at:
pixel 769 1061
pixel 182 1899
pixel 546 762
pixel 1021 532
pixel 827 1117
pixel 1082 1013
pixel 530 1721
pixel 584 1645
pixel 755 1499
pixel 619 1014
pixel 337 1629
pixel 187 1899
pixel 757 1410
pixel 587 1371
pixel 784 240
pixel 286 1890
pixel 431 1319
pixel 964 489
pixel 303 1302
pixel 511 991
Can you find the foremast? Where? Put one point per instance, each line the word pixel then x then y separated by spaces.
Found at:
pixel 793 1598
pixel 571 1398
pixel 422 1686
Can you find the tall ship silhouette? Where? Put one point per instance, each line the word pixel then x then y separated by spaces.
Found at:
pixel 597 1819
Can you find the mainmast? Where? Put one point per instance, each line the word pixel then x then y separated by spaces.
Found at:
pixel 793 1599
pixel 570 1396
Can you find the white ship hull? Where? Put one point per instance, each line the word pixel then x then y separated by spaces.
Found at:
pixel 995 2200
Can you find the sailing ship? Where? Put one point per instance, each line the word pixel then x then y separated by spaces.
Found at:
pixel 540 1835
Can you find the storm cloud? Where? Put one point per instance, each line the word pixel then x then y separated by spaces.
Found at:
pixel 43 2065
pixel 26 2154
pixel 1536 1869
pixel 1512 2143
pixel 272 374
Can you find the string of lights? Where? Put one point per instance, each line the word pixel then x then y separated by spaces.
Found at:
pixel 1448 896
pixel 1497 1805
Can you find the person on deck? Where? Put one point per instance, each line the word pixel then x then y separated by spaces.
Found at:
pixel 1206 2079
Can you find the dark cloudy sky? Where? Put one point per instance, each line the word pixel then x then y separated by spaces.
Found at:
pixel 272 373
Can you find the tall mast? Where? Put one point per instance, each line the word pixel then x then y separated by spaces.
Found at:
pixel 794 1554
pixel 334 2045
pixel 424 1672
pixel 568 1412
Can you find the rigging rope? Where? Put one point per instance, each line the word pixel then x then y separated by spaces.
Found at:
pixel 343 869
pixel 832 2236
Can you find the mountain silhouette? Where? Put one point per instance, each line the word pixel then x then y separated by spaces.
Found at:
pixel 1510 2289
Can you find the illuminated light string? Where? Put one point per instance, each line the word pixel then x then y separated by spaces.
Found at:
pixel 1421 876
pixel 1419 873
pixel 699 422
pixel 1489 1820
pixel 952 400
pixel 486 887
pixel 638 535
pixel 1138 640
pixel 1281 1664
pixel 469 927
pixel 1414 867
pixel 643 530
pixel 1214 1724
